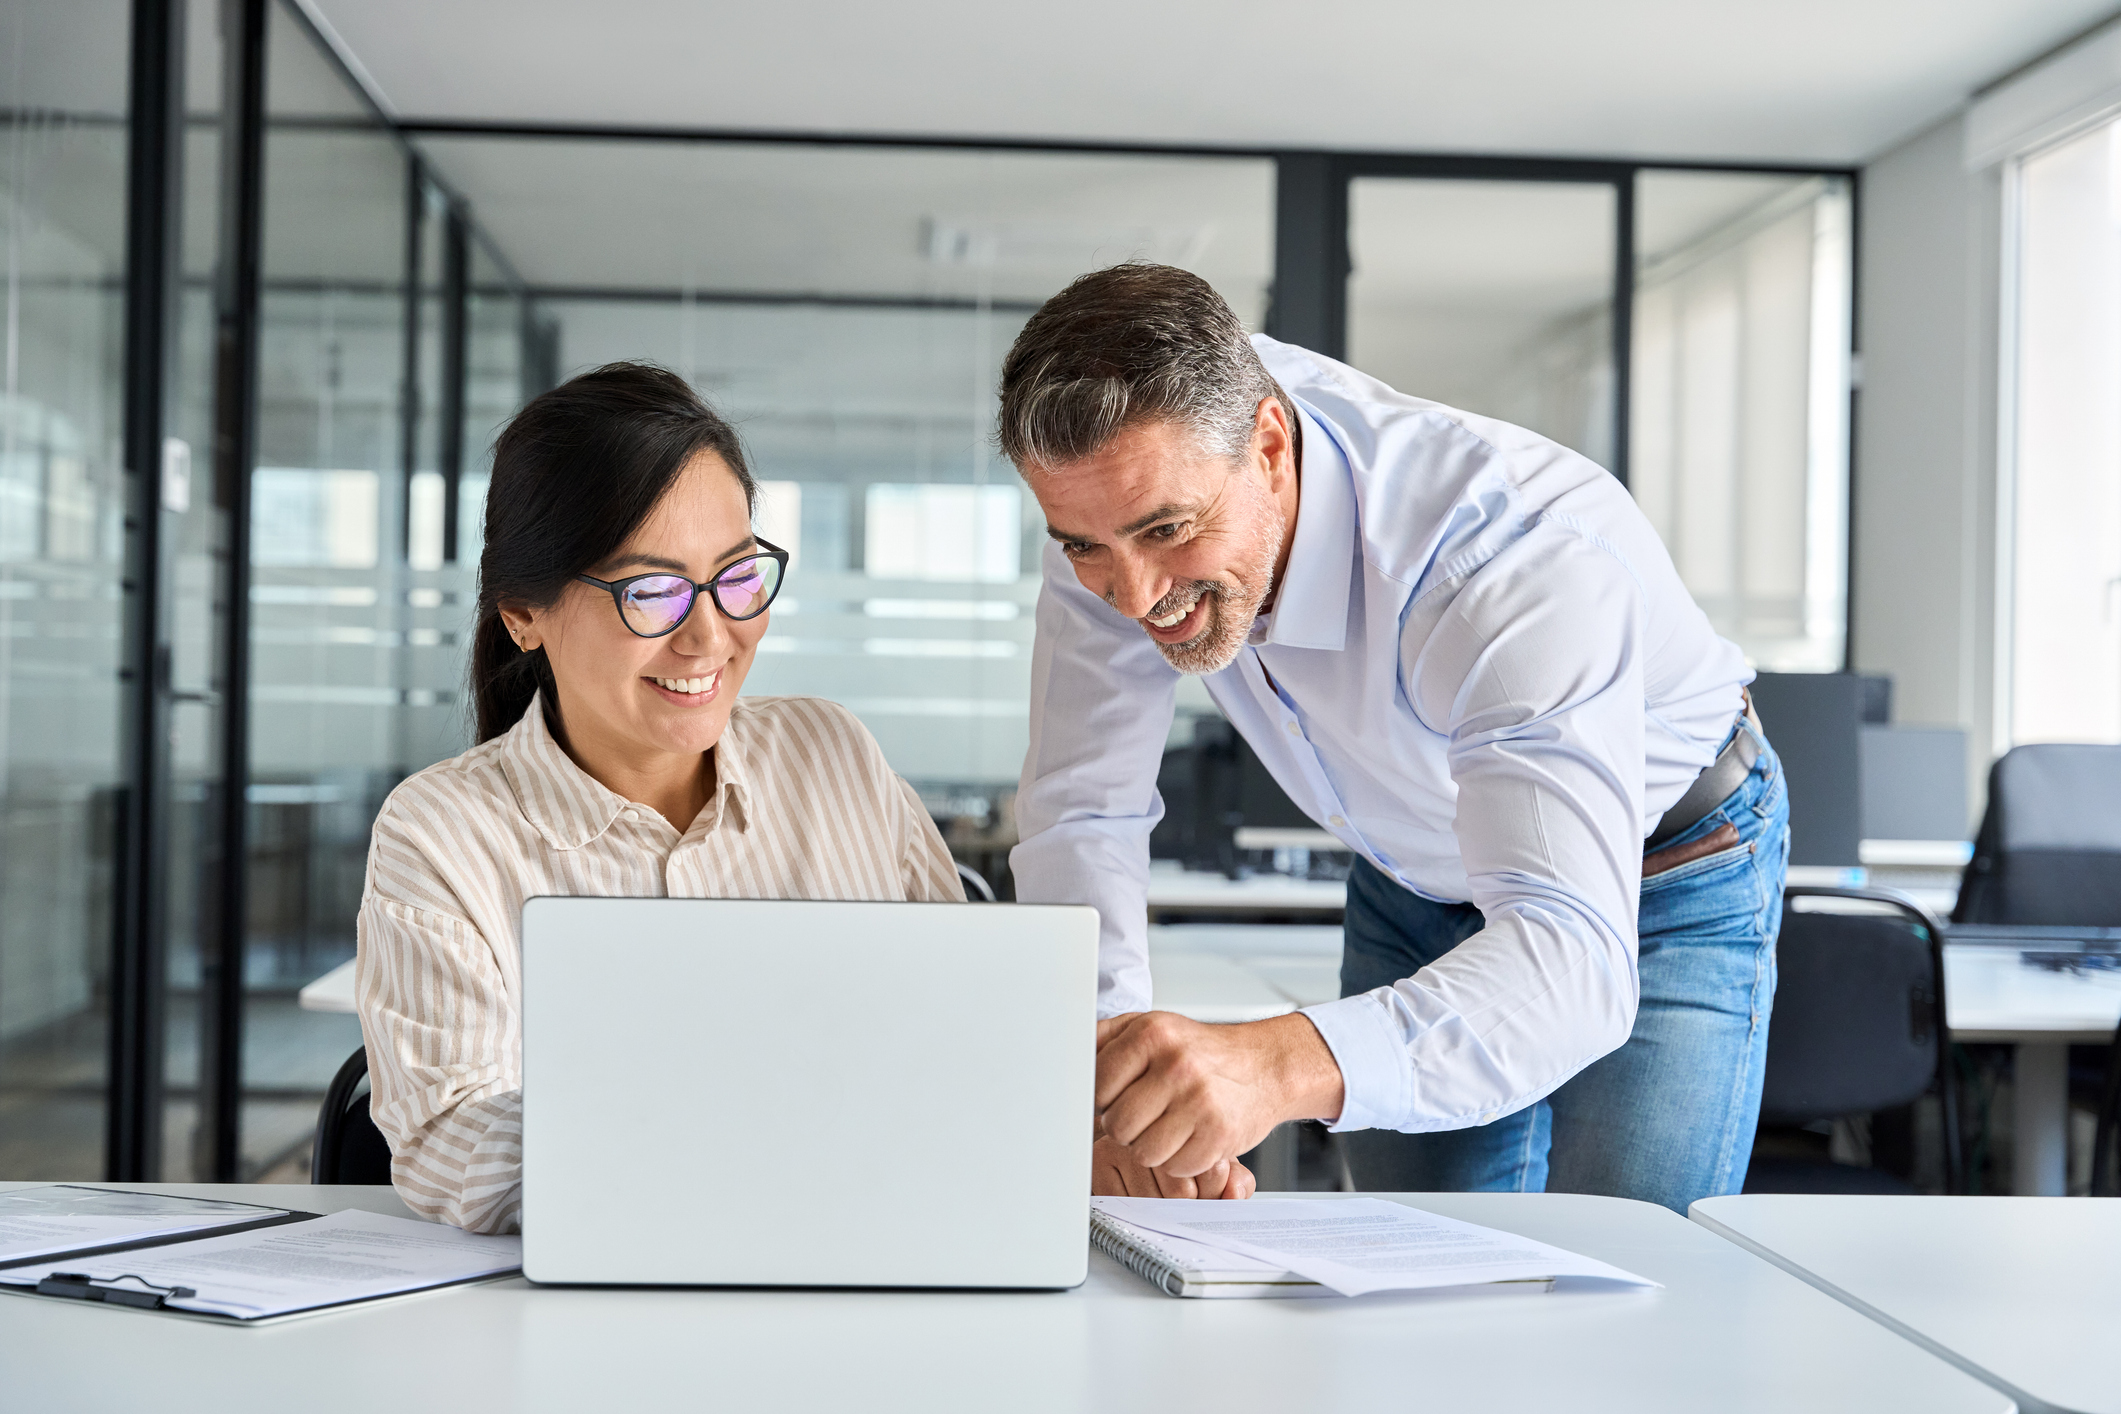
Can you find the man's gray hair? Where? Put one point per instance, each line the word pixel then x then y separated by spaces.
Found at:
pixel 1136 343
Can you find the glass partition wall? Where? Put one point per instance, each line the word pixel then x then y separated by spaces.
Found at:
pixel 1492 296
pixel 63 102
pixel 357 309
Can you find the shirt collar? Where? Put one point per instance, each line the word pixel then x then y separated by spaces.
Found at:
pixel 571 808
pixel 1311 607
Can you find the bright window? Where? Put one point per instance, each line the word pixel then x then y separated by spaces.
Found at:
pixel 2062 502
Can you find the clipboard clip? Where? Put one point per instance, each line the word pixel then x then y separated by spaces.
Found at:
pixel 80 1286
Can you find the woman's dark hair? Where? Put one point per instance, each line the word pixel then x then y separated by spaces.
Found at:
pixel 574 474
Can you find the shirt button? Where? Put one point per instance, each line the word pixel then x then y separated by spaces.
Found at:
pixel 631 815
pixel 1335 821
pixel 1295 730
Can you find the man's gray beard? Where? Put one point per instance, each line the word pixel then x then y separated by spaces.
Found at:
pixel 1229 621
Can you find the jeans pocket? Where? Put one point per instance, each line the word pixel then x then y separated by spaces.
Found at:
pixel 1736 855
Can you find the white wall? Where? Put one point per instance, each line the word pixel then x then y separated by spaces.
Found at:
pixel 1923 549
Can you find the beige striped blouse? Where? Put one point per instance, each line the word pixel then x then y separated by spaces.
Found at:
pixel 804 806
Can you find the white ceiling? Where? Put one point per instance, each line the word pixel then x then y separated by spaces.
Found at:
pixel 1832 81
pixel 773 217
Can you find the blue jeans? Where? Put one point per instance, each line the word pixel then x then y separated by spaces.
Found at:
pixel 1668 1117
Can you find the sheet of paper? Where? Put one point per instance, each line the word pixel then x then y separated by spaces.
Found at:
pixel 349 1256
pixel 65 1217
pixel 1360 1245
pixel 1196 1256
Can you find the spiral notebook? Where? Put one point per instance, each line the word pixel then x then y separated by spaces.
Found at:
pixel 1180 1266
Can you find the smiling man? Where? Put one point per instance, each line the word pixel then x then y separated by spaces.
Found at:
pixel 1461 649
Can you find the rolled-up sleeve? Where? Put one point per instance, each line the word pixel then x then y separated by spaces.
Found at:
pixel 444 1056
pixel 1533 672
pixel 1101 704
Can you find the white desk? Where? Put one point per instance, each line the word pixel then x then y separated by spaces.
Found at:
pixel 2018 1291
pixel 1729 1333
pixel 1210 988
pixel 1991 995
pixel 1172 889
pixel 1299 962
pixel 331 992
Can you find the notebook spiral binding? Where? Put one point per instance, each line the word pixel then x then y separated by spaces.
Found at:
pixel 1146 1261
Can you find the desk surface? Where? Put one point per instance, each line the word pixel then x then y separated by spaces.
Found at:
pixel 2020 1291
pixel 1173 888
pixel 1991 994
pixel 334 991
pixel 1730 1333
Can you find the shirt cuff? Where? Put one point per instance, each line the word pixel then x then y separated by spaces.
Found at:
pixel 1373 1062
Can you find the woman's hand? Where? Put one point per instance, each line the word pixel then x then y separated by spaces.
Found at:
pixel 1115 1174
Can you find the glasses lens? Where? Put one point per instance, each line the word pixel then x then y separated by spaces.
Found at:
pixel 657 604
pixel 747 587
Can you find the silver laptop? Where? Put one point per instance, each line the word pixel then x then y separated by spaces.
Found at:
pixel 730 1092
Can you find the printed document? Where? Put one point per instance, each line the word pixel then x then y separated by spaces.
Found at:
pixel 66 1217
pixel 350 1256
pixel 1360 1245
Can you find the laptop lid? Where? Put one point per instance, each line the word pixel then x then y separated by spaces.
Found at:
pixel 746 1092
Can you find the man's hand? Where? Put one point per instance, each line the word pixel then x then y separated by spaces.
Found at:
pixel 1115 1174
pixel 1184 1097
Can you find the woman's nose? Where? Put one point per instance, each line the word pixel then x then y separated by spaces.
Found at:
pixel 704 634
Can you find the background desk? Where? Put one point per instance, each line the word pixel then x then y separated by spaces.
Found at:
pixel 1729 1333
pixel 1176 891
pixel 1990 994
pixel 2019 1291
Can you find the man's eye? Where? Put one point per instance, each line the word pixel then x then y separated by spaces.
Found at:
pixel 1074 551
pixel 1165 532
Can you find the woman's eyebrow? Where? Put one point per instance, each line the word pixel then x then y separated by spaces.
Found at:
pixel 657 562
pixel 654 562
pixel 747 543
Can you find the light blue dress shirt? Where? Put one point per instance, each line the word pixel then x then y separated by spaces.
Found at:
pixel 1480 671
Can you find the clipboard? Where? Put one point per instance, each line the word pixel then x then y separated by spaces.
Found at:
pixel 271 1217
pixel 148 1297
pixel 297 1266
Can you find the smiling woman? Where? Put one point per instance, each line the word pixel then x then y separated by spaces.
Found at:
pixel 622 600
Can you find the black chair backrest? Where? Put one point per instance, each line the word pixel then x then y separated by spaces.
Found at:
pixel 2049 848
pixel 2109 1126
pixel 1858 1021
pixel 349 1147
pixel 977 889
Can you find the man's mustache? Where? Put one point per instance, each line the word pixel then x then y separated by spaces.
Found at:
pixel 1179 600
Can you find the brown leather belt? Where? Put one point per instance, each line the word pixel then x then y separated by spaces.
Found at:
pixel 1709 790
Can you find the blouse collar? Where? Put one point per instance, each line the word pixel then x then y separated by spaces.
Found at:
pixel 570 808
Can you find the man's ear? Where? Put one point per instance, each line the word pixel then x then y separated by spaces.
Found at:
pixel 1275 440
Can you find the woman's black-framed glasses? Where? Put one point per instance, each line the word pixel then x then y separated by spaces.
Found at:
pixel 655 604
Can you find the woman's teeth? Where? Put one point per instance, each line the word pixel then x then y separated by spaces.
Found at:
pixel 688 686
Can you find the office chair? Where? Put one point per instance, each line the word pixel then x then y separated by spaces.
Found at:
pixel 2104 1182
pixel 2049 848
pixel 977 889
pixel 349 1147
pixel 1858 1026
